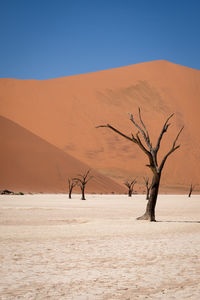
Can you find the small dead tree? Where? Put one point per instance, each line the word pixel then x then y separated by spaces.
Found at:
pixel 71 184
pixel 191 190
pixel 148 186
pixel 81 181
pixel 151 152
pixel 130 185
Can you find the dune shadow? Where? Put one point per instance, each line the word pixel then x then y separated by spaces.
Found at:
pixel 179 221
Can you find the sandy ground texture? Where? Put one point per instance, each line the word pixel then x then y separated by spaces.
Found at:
pixel 55 248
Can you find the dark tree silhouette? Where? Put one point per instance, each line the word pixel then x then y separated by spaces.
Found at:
pixel 191 190
pixel 151 152
pixel 130 185
pixel 81 181
pixel 71 184
pixel 148 187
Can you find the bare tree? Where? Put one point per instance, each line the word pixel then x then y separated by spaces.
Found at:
pixel 191 190
pixel 82 180
pixel 148 186
pixel 130 185
pixel 71 184
pixel 151 152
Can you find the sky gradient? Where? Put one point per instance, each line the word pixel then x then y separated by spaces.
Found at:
pixel 44 39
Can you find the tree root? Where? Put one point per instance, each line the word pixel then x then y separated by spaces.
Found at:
pixel 147 218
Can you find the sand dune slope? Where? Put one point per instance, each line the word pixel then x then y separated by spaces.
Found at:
pixel 30 164
pixel 65 111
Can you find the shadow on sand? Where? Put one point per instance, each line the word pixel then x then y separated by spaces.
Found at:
pixel 179 221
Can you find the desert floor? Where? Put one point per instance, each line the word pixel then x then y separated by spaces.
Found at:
pixel 55 248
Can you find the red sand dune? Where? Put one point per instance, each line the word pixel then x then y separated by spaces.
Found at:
pixel 30 164
pixel 65 111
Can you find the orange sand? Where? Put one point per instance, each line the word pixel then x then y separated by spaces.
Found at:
pixel 30 164
pixel 65 111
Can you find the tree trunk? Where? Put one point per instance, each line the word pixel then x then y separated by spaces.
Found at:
pixel 129 193
pixel 190 192
pixel 147 194
pixel 83 193
pixel 70 193
pixel 150 209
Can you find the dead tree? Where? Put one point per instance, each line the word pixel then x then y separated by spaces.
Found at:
pixel 71 185
pixel 130 185
pixel 81 181
pixel 148 186
pixel 191 190
pixel 151 152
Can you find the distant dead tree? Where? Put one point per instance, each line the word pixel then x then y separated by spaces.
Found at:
pixel 130 185
pixel 151 152
pixel 81 181
pixel 71 184
pixel 191 190
pixel 148 186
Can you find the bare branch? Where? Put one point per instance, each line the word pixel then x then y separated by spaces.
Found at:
pixel 132 139
pixel 174 148
pixel 86 174
pixel 140 130
pixel 164 129
pixel 134 181
pixel 77 179
pixel 130 184
pixel 80 175
pixel 89 179
pixel 127 184
pixel 146 180
pixel 141 145
pixel 152 165
pixel 148 187
pixel 74 184
pixel 83 179
pixel 71 183
pixel 141 121
pixel 174 144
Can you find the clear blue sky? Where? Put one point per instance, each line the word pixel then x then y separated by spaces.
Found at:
pixel 43 39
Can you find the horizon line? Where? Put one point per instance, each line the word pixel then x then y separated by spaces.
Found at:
pixel 103 70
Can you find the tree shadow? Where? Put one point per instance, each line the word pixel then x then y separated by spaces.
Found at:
pixel 179 221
